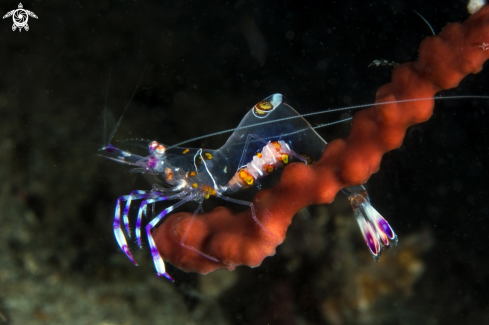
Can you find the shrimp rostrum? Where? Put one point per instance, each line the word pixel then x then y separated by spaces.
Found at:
pixel 270 136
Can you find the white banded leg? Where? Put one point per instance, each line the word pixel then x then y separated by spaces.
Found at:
pixel 135 195
pixel 119 235
pixel 182 242
pixel 143 207
pixel 252 207
pixel 159 263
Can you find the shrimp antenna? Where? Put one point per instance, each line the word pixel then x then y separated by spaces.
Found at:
pixel 125 108
pixel 427 23
pixel 318 126
pixel 105 107
pixel 324 112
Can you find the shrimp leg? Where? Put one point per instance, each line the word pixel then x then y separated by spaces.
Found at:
pixel 135 195
pixel 157 259
pixel 252 207
pixel 119 235
pixel 182 242
pixel 156 197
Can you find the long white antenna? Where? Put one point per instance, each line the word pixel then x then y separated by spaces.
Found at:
pixel 125 108
pixel 324 112
pixel 427 23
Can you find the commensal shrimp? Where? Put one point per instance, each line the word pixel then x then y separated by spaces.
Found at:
pixel 268 138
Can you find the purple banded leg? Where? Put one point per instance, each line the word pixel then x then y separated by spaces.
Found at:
pixel 157 259
pixel 142 209
pixel 119 235
pixel 182 242
pixel 121 199
pixel 135 195
pixel 252 207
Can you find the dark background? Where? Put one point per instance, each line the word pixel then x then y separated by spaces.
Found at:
pixel 59 262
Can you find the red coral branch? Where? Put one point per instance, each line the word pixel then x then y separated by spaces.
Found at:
pixel 235 239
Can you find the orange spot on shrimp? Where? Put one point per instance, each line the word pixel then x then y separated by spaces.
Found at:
pixel 208 191
pixel 269 168
pixel 263 107
pixel 277 145
pixel 192 173
pixel 208 156
pixel 169 174
pixel 246 177
pixel 195 185
pixel 186 151
pixel 285 158
pixel 259 155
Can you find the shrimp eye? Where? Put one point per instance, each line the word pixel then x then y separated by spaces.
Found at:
pixel 153 145
pixel 160 149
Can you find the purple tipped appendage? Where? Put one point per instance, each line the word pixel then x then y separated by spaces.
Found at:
pixel 166 275
pixel 372 242
pixel 386 228
pixel 126 251
pixel 119 235
pixel 109 148
pixel 375 229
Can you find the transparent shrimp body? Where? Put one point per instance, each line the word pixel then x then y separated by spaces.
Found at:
pixel 271 135
pixel 182 175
